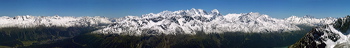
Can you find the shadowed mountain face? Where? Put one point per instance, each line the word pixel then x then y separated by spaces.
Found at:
pixel 225 40
pixel 80 37
pixel 19 37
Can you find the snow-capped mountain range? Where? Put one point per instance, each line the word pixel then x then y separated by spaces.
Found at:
pixel 308 20
pixel 171 22
pixel 52 21
pixel 197 20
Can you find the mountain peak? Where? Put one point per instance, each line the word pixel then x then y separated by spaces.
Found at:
pixel 308 16
pixel 215 12
pixel 196 11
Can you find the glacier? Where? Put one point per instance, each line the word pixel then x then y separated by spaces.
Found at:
pixel 197 20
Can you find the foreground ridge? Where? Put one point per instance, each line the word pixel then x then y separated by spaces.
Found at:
pixel 334 35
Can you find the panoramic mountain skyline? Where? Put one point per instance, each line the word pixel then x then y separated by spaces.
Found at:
pixel 174 24
pixel 121 8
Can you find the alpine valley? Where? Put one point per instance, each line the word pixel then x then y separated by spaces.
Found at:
pixel 194 28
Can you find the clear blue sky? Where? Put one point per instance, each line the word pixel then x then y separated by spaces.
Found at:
pixel 120 8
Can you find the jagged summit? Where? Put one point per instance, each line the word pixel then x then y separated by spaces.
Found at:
pixel 215 11
pixel 198 20
pixel 51 21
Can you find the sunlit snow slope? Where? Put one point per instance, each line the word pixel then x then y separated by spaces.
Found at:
pixel 197 20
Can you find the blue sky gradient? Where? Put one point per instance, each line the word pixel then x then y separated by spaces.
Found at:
pixel 120 8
